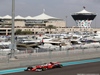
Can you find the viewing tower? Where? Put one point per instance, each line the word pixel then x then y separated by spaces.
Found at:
pixel 84 18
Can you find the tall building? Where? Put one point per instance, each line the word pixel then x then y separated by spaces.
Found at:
pixel 35 24
pixel 41 20
pixel 84 18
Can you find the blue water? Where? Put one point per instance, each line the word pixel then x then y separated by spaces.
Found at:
pixel 64 64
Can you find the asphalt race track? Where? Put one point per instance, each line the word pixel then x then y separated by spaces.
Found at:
pixel 82 69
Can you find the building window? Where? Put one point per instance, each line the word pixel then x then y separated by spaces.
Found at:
pixel 29 30
pixel 32 29
pixel 62 30
pixel 42 29
pixel 56 29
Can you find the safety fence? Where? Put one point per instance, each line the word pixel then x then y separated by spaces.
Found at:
pixel 24 58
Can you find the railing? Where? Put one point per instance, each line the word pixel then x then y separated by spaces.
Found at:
pixel 24 58
pixel 28 51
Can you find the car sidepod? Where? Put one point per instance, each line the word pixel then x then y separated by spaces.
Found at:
pixel 29 68
pixel 58 66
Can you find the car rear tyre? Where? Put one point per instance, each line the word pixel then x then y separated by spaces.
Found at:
pixel 43 69
pixel 60 66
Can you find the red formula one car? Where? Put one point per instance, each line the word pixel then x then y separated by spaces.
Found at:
pixel 44 67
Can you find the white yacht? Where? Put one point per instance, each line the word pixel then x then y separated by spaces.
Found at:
pixel 5 48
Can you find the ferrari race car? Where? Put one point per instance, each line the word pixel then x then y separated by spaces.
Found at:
pixel 44 67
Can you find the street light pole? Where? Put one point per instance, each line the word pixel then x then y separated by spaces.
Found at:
pixel 12 33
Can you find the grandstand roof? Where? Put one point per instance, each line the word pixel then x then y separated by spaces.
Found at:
pixel 19 17
pixel 44 16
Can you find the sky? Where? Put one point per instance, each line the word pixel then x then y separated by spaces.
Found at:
pixel 56 8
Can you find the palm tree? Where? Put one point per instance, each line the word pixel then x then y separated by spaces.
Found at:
pixel 19 31
pixel 47 29
pixel 50 27
pixel 2 23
